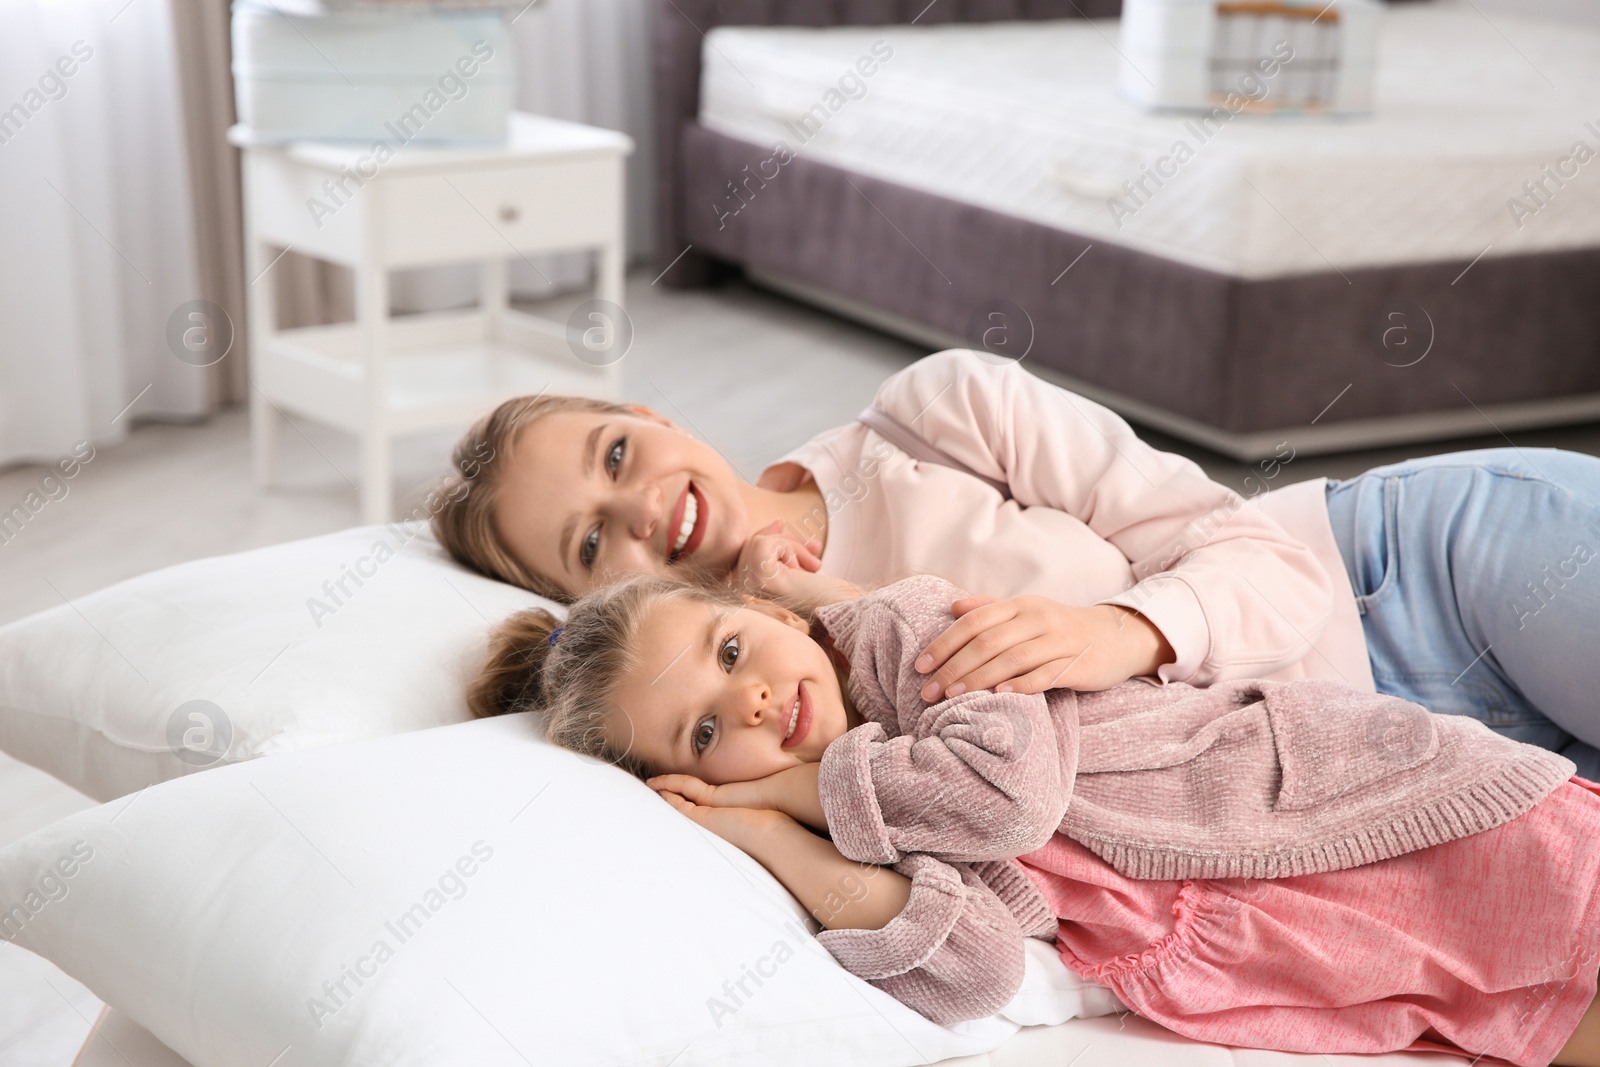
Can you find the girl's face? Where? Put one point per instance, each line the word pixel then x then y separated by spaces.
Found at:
pixel 727 695
pixel 589 496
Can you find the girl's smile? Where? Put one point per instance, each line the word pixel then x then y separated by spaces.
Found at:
pixel 800 716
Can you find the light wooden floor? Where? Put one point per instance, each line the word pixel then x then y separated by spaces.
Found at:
pixel 752 373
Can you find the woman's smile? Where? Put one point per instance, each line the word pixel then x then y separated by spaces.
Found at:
pixel 585 497
pixel 690 517
pixel 634 495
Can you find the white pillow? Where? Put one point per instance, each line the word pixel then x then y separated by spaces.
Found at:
pixel 482 897
pixel 366 632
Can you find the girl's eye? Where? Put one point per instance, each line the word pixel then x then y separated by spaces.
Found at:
pixel 728 653
pixel 694 739
pixel 588 549
pixel 614 456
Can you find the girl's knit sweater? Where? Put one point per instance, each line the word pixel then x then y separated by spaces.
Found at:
pixel 1253 779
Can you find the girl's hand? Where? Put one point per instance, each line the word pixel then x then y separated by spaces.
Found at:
pixel 768 557
pixel 753 794
pixel 840 893
pixel 777 565
pixel 1028 644
pixel 792 791
pixel 742 828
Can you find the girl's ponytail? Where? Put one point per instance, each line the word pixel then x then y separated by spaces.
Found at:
pixel 513 678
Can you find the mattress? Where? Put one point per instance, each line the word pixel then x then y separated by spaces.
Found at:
pixel 1482 141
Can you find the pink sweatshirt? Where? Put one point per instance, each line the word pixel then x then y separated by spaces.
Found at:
pixel 1241 588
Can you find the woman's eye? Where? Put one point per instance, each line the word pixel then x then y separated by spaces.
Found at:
pixel 728 654
pixel 707 724
pixel 588 549
pixel 591 544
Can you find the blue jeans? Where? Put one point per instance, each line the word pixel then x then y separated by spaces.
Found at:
pixel 1477 575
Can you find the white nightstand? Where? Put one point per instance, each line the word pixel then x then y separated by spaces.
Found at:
pixel 553 186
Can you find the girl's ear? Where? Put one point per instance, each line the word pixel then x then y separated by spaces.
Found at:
pixel 777 611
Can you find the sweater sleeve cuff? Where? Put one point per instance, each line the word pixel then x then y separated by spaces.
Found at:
pixel 842 620
pixel 907 941
pixel 1172 606
pixel 849 801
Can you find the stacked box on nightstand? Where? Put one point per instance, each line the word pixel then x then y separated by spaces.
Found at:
pixel 1273 56
pixel 372 72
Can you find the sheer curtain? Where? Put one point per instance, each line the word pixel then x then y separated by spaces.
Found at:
pixel 96 225
pixel 590 61
pixel 100 221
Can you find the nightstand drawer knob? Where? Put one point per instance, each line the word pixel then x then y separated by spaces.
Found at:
pixel 509 213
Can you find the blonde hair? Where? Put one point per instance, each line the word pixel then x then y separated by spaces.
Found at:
pixel 570 681
pixel 465 521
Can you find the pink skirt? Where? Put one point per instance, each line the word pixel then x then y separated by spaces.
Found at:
pixel 1488 945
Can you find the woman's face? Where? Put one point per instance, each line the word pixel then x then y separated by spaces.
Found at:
pixel 718 692
pixel 589 496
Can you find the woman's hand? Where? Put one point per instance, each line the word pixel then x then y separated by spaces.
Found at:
pixel 776 564
pixel 1028 644
pixel 742 828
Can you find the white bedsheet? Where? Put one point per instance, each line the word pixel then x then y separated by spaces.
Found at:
pixel 1050 1036
pixel 1109 1041
pixel 1024 118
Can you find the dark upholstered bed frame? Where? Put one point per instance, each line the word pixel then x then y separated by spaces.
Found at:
pixel 1234 364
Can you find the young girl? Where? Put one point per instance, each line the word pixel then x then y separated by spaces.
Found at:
pixel 1283 865
pixel 1460 582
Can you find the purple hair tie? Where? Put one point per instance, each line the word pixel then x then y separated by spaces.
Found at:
pixel 555 634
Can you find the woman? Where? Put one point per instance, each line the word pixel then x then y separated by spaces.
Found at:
pixel 1459 581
